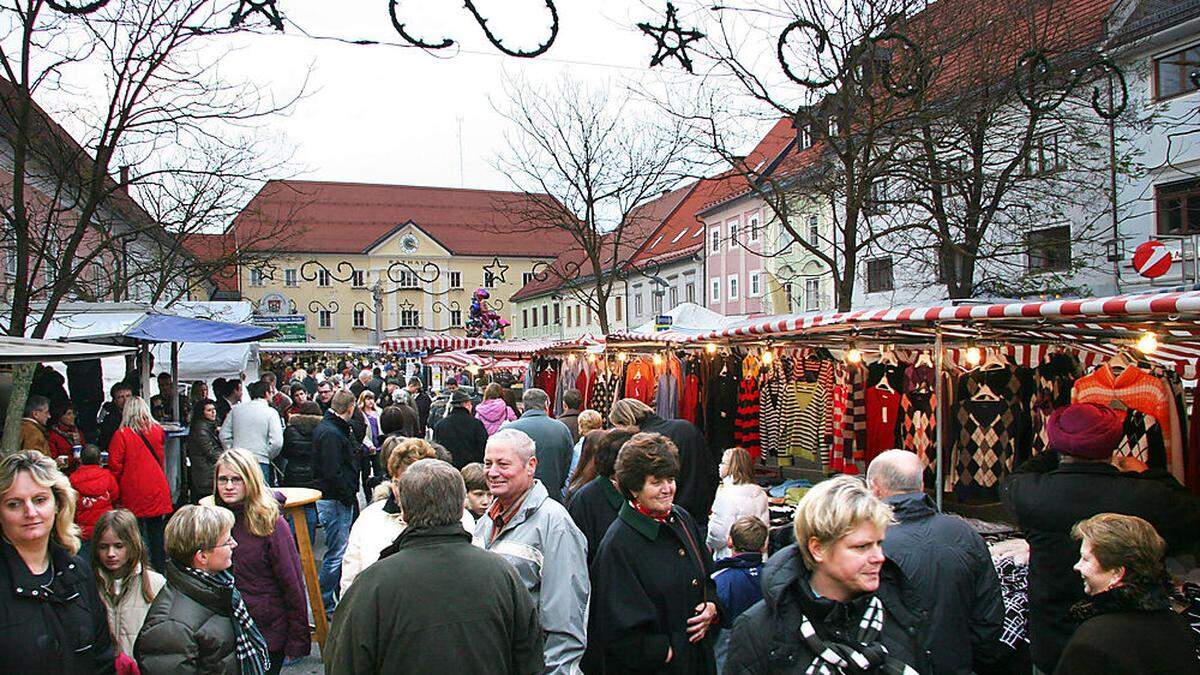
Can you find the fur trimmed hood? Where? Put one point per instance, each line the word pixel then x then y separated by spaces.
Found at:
pixel 1120 600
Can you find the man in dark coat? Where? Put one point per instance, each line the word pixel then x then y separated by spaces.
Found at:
pixel 463 435
pixel 469 612
pixel 334 450
pixel 698 466
pixel 948 564
pixel 572 406
pixel 551 438
pixel 112 411
pixel 416 391
pixel 1077 479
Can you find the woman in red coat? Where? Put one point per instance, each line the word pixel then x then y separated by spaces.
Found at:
pixel 63 437
pixel 136 457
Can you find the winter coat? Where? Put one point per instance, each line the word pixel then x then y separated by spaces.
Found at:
pixel 63 631
pixel 410 425
pixel 127 607
pixel 266 570
pixel 570 418
pixel 1129 630
pixel 766 637
pixel 424 403
pixel 139 471
pixel 470 613
pixel 463 435
pixel 1048 498
pixel 553 449
pixel 550 556
pixel 204 446
pixel 98 490
pixel 33 437
pixel 298 451
pixel 494 412
pixel 739 585
pixel 949 566
pixel 188 630
pixel 650 577
pixel 62 440
pixel 699 468
pixel 254 426
pixel 336 459
pixel 732 502
pixel 594 508
pixel 110 421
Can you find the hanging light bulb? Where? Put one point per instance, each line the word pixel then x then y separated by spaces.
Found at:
pixel 973 356
pixel 768 357
pixel 1148 343
pixel 591 357
pixel 711 348
pixel 854 355
pixel 570 358
pixel 658 360
pixel 622 357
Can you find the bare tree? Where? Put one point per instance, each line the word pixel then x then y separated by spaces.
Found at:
pixel 166 127
pixel 584 164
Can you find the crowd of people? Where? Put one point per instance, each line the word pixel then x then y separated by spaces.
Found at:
pixel 481 533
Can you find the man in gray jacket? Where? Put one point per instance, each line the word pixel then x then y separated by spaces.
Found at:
pixel 537 536
pixel 255 426
pixel 553 440
pixel 948 564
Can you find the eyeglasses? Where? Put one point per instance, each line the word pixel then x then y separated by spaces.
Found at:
pixel 231 543
pixel 229 480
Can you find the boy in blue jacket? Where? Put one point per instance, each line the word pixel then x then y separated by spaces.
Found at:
pixel 737 577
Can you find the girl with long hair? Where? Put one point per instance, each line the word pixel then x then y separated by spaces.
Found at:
pixel 137 459
pixel 737 496
pixel 126 583
pixel 266 566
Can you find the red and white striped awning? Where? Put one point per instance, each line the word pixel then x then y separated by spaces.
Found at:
pixel 431 343
pixel 511 348
pixel 663 337
pixel 457 359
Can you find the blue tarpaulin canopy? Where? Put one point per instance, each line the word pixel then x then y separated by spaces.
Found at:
pixel 169 328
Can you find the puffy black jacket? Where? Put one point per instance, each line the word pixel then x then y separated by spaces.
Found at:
pixel 336 456
pixel 203 448
pixel 63 631
pixel 766 638
pixel 1047 499
pixel 300 470
pixel 463 435
pixel 950 567
pixel 188 629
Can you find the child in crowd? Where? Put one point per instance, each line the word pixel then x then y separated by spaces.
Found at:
pixel 97 489
pixel 737 576
pixel 478 497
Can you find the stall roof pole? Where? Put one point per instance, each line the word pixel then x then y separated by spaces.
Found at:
pixel 172 401
pixel 939 361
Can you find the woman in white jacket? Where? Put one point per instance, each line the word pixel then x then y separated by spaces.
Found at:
pixel 738 496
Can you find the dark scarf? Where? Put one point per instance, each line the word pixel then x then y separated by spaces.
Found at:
pixel 1122 599
pixel 251 647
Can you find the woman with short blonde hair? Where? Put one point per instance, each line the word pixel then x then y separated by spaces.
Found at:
pixel 137 459
pixel 629 412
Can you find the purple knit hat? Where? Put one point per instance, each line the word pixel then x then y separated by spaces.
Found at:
pixel 1086 430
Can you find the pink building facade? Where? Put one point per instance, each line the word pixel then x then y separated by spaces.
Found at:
pixel 736 278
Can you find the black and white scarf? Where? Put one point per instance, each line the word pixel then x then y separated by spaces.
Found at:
pixel 868 655
pixel 251 646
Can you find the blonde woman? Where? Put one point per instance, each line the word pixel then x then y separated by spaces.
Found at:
pixel 380 523
pixel 266 566
pixel 47 589
pixel 137 460
pixel 123 575
pixel 737 496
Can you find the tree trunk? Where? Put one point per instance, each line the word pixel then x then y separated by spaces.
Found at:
pixel 22 378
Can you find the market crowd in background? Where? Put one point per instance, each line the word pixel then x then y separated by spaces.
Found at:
pixel 476 532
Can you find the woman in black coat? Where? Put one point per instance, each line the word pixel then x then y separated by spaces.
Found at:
pixel 51 618
pixel 1127 626
pixel 299 469
pixel 654 601
pixel 203 447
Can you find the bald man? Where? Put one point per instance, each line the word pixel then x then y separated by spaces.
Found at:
pixel 947 562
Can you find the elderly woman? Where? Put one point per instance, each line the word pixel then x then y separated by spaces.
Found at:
pixel 51 613
pixel 137 459
pixel 199 622
pixel 654 599
pixel 738 496
pixel 832 599
pixel 266 566
pixel 1126 624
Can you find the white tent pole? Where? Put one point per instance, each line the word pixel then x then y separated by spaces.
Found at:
pixel 939 361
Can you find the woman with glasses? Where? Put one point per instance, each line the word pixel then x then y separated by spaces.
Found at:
pixel 266 566
pixel 51 614
pixel 199 622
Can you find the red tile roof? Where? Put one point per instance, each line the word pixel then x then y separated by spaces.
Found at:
pixel 682 232
pixel 213 247
pixel 331 217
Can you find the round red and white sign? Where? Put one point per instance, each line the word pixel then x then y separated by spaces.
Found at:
pixel 1152 259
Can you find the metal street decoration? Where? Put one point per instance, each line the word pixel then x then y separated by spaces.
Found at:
pixel 266 8
pixel 1043 89
pixel 67 8
pixel 671 39
pixel 901 75
pixel 402 28
pixel 496 269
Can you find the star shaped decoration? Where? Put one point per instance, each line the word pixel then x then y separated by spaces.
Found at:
pixel 265 7
pixel 496 270
pixel 406 305
pixel 672 39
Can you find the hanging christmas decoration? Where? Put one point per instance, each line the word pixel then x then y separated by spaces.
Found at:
pixel 402 28
pixel 266 8
pixel 67 8
pixel 672 39
pixel 496 271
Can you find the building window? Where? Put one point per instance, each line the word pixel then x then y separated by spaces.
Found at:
pixel 325 319
pixel 525 318
pixel 1178 207
pixel 589 315
pixel 637 303
pixel 579 316
pixel 323 278
pixel 490 280
pixel 526 277
pixel 570 316
pixel 360 318
pixel 879 275
pixel 617 303
pixel 755 230
pixel 455 279
pixel 557 314
pixel 410 318
pixel 1049 250
pixel 456 318
pixel 358 278
pixel 877 202
pixel 289 277
pixel 814 230
pixel 1044 155
pixel 714 240
pixel 1177 73
pixel 535 317
pixel 689 292
pixel 716 290
pixel 733 234
pixel 545 315
pixel 674 295
pixel 256 277
pixel 733 287
pixel 755 284
pixel 812 295
pixel 409 279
